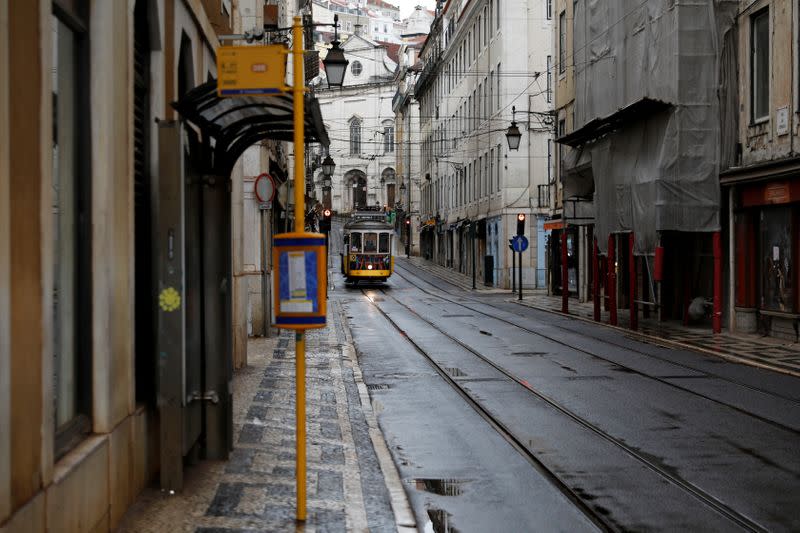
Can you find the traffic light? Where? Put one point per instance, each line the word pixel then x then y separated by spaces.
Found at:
pixel 325 221
pixel 521 224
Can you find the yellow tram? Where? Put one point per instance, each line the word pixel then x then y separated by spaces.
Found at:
pixel 367 250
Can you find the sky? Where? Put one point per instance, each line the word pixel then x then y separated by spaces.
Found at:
pixel 407 6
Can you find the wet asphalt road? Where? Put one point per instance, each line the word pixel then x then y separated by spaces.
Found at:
pixel 505 418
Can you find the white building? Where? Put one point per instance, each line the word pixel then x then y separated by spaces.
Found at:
pixel 373 19
pixel 360 124
pixel 480 59
pixel 418 22
pixel 406 109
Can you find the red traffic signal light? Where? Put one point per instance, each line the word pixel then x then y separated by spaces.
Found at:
pixel 521 224
pixel 325 221
pixel 408 221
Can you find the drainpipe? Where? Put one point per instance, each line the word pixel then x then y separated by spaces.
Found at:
pixel 731 261
pixel 266 302
pixel 595 280
pixel 564 272
pixel 632 284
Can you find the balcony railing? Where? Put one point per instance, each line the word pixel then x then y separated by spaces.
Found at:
pixel 544 196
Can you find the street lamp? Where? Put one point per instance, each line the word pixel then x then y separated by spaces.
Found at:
pixel 513 136
pixel 335 62
pixel 328 166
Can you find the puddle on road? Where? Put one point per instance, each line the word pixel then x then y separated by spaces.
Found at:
pixel 442 487
pixel 455 372
pixel 440 522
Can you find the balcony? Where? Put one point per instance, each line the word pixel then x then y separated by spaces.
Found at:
pixel 543 199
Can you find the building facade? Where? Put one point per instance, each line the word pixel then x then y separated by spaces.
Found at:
pixel 374 19
pixel 406 110
pixel 124 239
pixel 361 126
pixel 761 186
pixel 648 140
pixel 78 421
pixel 472 187
pixel 569 230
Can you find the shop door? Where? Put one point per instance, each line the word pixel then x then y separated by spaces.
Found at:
pixel 192 246
pixel 777 252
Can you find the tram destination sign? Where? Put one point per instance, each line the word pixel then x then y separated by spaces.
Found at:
pixel 251 70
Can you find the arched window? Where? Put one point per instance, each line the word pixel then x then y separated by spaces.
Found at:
pixel 355 136
pixel 388 136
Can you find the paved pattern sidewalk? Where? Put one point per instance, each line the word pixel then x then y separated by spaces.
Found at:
pixel 255 489
pixel 767 352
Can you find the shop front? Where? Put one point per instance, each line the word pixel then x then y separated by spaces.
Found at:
pixel 767 247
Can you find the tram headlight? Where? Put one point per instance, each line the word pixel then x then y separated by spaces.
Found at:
pixel 369 267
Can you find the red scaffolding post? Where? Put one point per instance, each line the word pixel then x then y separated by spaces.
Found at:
pixel 596 280
pixel 564 273
pixel 716 320
pixel 612 281
pixel 632 284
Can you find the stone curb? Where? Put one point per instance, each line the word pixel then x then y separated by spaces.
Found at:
pixel 670 343
pixel 404 516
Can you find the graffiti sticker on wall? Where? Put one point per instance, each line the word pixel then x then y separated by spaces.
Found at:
pixel 169 299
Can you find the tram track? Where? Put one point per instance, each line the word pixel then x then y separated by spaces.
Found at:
pixel 599 519
pixel 614 362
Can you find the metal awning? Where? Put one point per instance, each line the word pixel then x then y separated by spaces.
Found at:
pixel 765 170
pixel 237 123
pixel 598 127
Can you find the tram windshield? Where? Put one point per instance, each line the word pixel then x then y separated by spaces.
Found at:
pixel 355 242
pixel 370 242
pixel 383 243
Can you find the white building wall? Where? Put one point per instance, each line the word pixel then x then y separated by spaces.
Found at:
pixel 367 97
pixel 466 110
pixel 373 106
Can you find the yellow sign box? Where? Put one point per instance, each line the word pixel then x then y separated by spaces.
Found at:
pixel 243 70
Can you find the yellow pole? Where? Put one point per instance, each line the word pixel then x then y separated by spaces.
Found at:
pixel 298 91
pixel 300 461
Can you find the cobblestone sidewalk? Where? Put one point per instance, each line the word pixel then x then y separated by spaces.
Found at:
pixel 255 489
